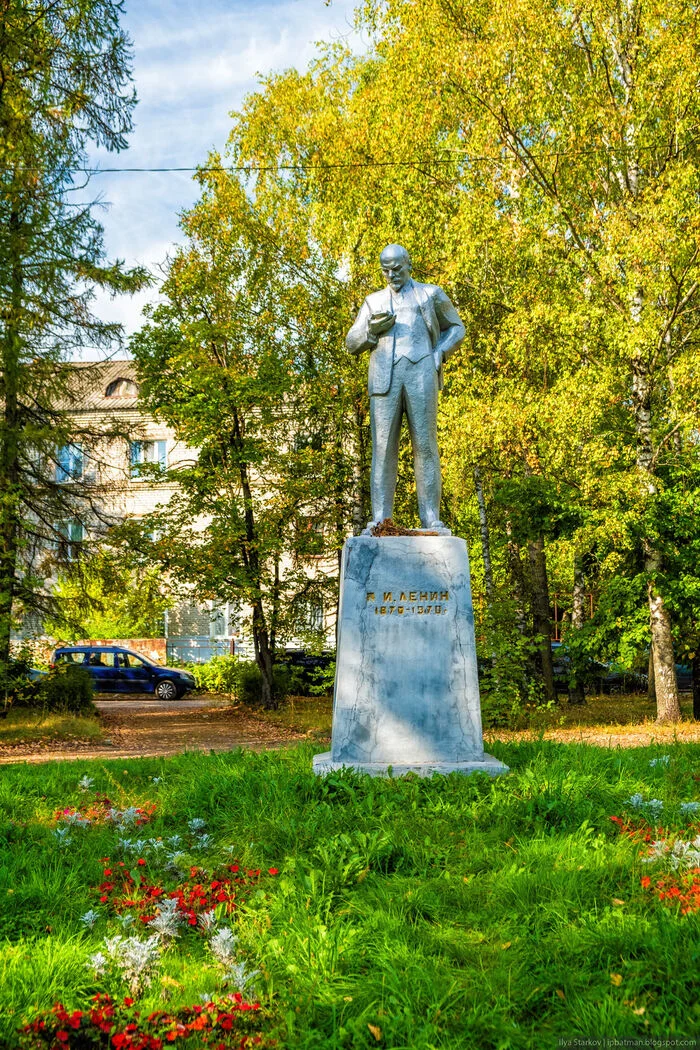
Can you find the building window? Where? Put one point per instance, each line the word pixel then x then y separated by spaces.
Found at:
pixel 308 614
pixel 122 388
pixel 218 627
pixel 69 463
pixel 143 452
pixel 72 535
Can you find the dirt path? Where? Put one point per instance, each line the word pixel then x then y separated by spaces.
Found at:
pixel 144 727
pixel 639 734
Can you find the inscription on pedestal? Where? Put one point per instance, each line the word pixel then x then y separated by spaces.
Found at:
pixel 397 602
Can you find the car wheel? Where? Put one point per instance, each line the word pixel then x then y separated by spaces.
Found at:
pixel 166 690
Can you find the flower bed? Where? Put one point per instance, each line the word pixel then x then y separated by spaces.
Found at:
pixel 106 1023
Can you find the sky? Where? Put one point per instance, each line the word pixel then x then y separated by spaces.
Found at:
pixel 193 64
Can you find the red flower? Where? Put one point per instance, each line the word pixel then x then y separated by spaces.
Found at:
pixel 128 1001
pixel 273 871
pixel 107 871
pixel 646 882
pixel 104 898
pixel 62 1036
pixel 141 862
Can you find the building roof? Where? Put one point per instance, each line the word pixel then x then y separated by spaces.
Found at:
pixel 94 378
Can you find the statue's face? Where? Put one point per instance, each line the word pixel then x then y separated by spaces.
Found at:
pixel 396 270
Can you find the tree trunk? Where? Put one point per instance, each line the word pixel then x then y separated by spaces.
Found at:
pixel 540 615
pixel 10 508
pixel 668 708
pixel 264 657
pixel 651 684
pixel 696 684
pixel 518 580
pixel 485 538
pixel 275 608
pixel 578 613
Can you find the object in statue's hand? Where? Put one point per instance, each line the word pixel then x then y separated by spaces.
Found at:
pixel 381 322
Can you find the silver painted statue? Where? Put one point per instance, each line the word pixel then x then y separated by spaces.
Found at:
pixel 410 329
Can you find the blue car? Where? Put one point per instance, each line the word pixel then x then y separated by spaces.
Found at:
pixel 116 670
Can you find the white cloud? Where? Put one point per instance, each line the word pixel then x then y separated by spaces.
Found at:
pixel 193 65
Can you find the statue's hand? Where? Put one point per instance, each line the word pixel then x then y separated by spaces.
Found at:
pixel 378 324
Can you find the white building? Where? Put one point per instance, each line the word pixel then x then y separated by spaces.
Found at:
pixel 106 404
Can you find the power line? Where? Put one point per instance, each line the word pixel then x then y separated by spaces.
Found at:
pixel 458 155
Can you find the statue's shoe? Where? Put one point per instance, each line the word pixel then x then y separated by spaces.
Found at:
pixel 437 526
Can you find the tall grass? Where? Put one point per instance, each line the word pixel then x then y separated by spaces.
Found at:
pixel 34 725
pixel 408 914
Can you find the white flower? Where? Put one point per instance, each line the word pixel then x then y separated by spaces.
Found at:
pixel 663 760
pixel 689 809
pixel 655 805
pixel 76 819
pixel 90 918
pixel 223 945
pixel 137 960
pixel 636 801
pixel 123 817
pixel 682 855
pixel 126 920
pixel 168 920
pixel 196 825
pixel 156 780
pixel 85 783
pixel 97 963
pixel 177 862
pixel 207 920
pixel 203 842
pixel 133 958
pixel 63 836
pixel 238 976
pixel 112 946
pixel 174 841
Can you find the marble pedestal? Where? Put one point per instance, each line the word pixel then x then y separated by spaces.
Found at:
pixel 406 690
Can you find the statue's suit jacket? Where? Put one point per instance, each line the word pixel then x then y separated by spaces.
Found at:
pixel 441 319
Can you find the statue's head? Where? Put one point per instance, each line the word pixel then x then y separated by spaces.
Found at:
pixel 396 265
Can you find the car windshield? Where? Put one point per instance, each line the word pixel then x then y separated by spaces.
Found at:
pixel 138 658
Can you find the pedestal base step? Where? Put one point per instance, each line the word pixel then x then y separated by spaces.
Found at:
pixel 488 764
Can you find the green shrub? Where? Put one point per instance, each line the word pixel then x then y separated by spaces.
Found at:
pixel 323 680
pixel 242 679
pixel 286 681
pixel 16 685
pixel 67 688
pixel 219 675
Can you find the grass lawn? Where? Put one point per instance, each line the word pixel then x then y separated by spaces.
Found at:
pixel 620 709
pixel 408 914
pixel 306 714
pixel 28 724
pixel 312 715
